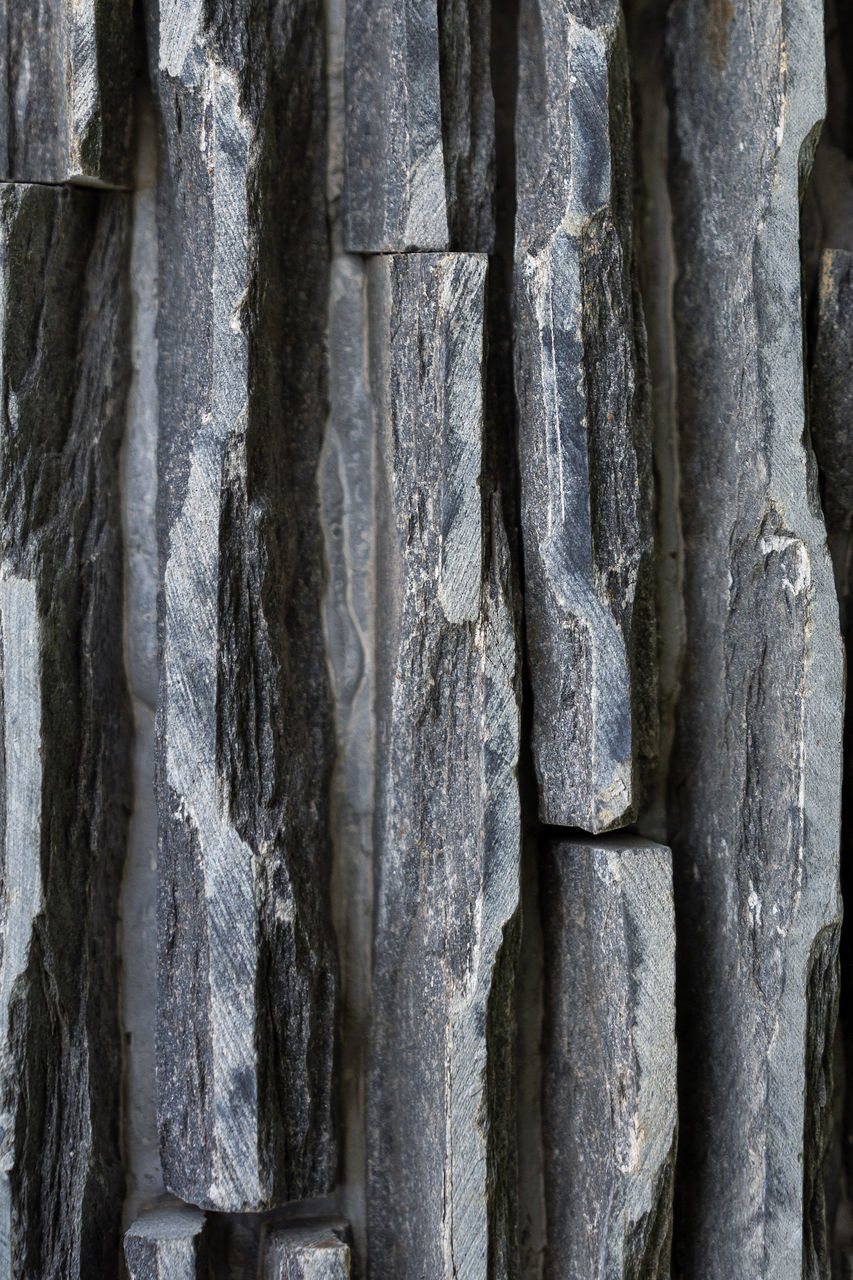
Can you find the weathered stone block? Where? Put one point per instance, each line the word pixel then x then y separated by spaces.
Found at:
pixel 757 761
pixel 67 93
pixel 609 1095
pixel 584 442
pixel 419 156
pixel 447 828
pixel 64 797
pixel 314 1252
pixel 167 1244
pixel 248 971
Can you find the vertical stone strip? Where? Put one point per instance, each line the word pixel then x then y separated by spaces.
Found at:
pixel 311 1252
pixel 167 1244
pixel 65 101
pixel 247 963
pixel 419 149
pixel 64 368
pixel 755 785
pixel 584 444
pixel 447 830
pixel 609 1098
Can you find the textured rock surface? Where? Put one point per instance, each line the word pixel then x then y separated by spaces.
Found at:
pixel 346 495
pixel 315 1252
pixel 419 153
pixel 584 446
pixel 755 785
pixel 65 101
pixel 247 961
pixel 609 1100
pixel 167 1244
pixel 447 830
pixel 65 793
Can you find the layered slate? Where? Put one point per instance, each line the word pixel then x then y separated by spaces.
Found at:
pixel 609 1097
pixel 247 964
pixel 316 1251
pixel 167 1244
pixel 419 163
pixel 446 831
pixel 584 445
pixel 757 758
pixel 64 717
pixel 65 100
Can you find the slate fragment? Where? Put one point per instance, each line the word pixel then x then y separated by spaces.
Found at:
pixel 583 430
pixel 67 92
pixel 65 722
pixel 317 1251
pixel 447 826
pixel 609 1096
pixel 248 971
pixel 167 1244
pixel 755 788
pixel 419 160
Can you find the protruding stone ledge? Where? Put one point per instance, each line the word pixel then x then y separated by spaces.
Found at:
pixel 167 1244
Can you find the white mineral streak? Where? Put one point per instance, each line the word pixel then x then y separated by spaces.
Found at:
pixel 162 1244
pixel 190 658
pixel 22 889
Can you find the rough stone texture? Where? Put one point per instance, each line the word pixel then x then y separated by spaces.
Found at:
pixel 584 444
pixel 346 495
pixel 315 1252
pixel 419 149
pixel 167 1244
pixel 755 784
pixel 65 101
pixel 245 742
pixel 65 722
pixel 447 829
pixel 609 1100
pixel 831 414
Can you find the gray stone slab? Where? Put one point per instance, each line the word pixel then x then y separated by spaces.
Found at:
pixel 65 723
pixel 584 439
pixel 315 1252
pixel 167 1244
pixel 248 971
pixel 447 828
pixel 419 147
pixel 609 1091
pixel 66 96
pixel 755 785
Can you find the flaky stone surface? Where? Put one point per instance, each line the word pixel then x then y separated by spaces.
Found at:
pixel 66 95
pixel 167 1244
pixel 584 445
pixel 419 148
pixel 755 785
pixel 447 831
pixel 609 1098
pixel 64 797
pixel 315 1252
pixel 247 963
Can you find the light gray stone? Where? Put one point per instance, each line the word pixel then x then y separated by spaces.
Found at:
pixel 64 718
pixel 419 147
pixel 248 971
pixel 66 96
pixel 313 1252
pixel 584 442
pixel 447 826
pixel 609 1094
pixel 167 1244
pixel 755 785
